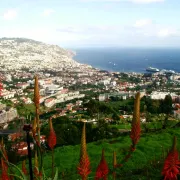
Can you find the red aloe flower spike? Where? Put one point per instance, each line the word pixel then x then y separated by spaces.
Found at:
pixel 4 175
pixel 102 169
pixel 136 128
pixel 52 135
pixel 36 92
pixel 84 164
pixel 172 163
pixel 37 105
pixel 24 170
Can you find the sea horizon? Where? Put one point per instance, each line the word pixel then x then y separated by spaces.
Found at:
pixel 130 59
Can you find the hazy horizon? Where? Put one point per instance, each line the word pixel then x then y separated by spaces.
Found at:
pixel 93 23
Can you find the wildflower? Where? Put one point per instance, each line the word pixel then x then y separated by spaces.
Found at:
pixel 24 170
pixel 102 169
pixel 52 135
pixel 136 128
pixel 172 163
pixel 84 164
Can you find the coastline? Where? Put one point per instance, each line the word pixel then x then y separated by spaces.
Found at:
pixel 129 60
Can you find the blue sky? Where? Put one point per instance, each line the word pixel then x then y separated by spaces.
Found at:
pixel 87 23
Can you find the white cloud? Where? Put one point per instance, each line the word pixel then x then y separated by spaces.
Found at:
pixel 142 22
pixel 79 34
pixel 44 34
pixel 166 32
pixel 146 1
pixel 10 14
pixel 133 1
pixel 47 12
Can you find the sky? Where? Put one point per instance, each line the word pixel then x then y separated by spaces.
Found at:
pixel 93 23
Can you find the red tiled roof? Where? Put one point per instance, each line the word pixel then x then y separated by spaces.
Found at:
pixel 22 148
pixel 15 136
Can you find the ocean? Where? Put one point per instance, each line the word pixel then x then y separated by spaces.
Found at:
pixel 130 59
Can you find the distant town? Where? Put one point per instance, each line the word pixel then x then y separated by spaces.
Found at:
pixel 58 87
pixel 73 90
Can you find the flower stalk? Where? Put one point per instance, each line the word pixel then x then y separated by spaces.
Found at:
pixel 102 169
pixel 135 129
pixel 24 170
pixel 36 123
pixel 52 143
pixel 84 164
pixel 172 164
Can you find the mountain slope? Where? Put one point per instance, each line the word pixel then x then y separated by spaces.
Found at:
pixel 18 53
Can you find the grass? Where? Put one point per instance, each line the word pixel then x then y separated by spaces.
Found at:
pixel 145 163
pixel 122 126
pixel 150 125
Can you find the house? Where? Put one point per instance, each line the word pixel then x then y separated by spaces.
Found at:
pixel 7 94
pixel 27 101
pixel 22 85
pixel 79 103
pixel 21 148
pixel 14 136
pixel 69 106
pixel 49 102
pixel 42 138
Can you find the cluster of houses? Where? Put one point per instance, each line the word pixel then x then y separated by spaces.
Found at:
pixel 20 147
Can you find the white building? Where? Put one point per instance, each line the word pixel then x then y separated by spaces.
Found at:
pixel 8 78
pixel 7 115
pixel 160 95
pixel 102 97
pixel 113 83
pixel 7 94
pixel 105 82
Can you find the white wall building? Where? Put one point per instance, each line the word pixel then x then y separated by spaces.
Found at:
pixel 160 95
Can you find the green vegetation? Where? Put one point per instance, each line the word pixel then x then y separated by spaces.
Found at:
pixel 69 132
pixel 146 162
pixel 126 78
pixel 24 110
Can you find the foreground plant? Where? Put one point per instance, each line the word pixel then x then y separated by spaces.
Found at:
pixel 52 142
pixel 102 169
pixel 4 174
pixel 9 170
pixel 135 129
pixel 136 126
pixel 172 164
pixel 84 164
pixel 114 165
pixel 24 170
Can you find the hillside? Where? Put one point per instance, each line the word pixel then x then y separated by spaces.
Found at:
pixel 145 163
pixel 18 53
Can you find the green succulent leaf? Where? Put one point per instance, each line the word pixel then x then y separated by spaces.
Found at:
pixel 56 175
